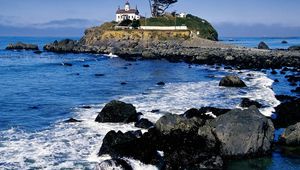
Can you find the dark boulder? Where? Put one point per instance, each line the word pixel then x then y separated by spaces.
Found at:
pixel 232 81
pixel 263 46
pixel 243 133
pixel 285 98
pixel 72 120
pixel 247 103
pixel 22 46
pixel 85 65
pixel 291 135
pixel 130 144
pixel 62 46
pixel 294 48
pixel 287 114
pixel 144 123
pixel 284 42
pixel 114 164
pixel 202 113
pixel 99 75
pixel 297 90
pixel 161 83
pixel 117 111
pixel 67 64
pixel 171 122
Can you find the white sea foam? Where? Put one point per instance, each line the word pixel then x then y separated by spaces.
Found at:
pixel 76 145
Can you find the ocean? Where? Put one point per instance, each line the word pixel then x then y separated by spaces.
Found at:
pixel 38 93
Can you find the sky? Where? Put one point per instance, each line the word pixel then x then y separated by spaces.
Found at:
pixel 242 17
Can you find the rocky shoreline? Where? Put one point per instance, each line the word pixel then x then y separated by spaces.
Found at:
pixel 195 51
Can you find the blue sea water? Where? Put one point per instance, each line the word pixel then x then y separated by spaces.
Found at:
pixel 273 43
pixel 37 93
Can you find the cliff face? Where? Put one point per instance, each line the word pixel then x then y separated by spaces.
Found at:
pixel 96 35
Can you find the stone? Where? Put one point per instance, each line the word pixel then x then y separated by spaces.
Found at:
pixel 263 45
pixel 287 113
pixel 247 103
pixel 232 81
pixel 291 135
pixel 72 120
pixel 160 83
pixel 243 133
pixel 294 48
pixel 144 123
pixel 284 42
pixel 117 112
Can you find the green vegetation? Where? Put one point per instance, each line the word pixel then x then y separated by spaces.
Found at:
pixel 195 24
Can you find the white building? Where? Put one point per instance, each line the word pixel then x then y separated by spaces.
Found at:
pixel 127 13
pixel 182 15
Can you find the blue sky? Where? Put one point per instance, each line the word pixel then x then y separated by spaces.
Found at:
pixel 279 14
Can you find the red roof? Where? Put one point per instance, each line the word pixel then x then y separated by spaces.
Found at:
pixel 131 11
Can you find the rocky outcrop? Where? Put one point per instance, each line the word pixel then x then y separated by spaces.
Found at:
pixel 22 46
pixel 287 113
pixel 291 135
pixel 64 46
pixel 243 133
pixel 232 81
pixel 117 111
pixel 263 45
pixel 204 113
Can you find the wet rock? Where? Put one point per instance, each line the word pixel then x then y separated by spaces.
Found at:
pixel 293 78
pixel 294 48
pixel 170 122
pixel 63 46
pixel 232 81
pixel 285 98
pixel 117 111
pixel 161 83
pixel 284 42
pixel 200 113
pixel 99 75
pixel 297 90
pixel 276 81
pixel 243 133
pixel 287 113
pixel 131 145
pixel 263 45
pixel 86 107
pixel 85 65
pixel 155 111
pixel 144 123
pixel 273 72
pixel 67 64
pixel 291 135
pixel 247 103
pixel 72 120
pixel 114 164
pixel 123 83
pixel 22 46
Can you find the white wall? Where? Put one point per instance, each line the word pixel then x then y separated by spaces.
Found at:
pixel 164 27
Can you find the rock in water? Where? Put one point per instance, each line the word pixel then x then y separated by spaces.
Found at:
pixel 171 122
pixel 284 42
pixel 72 120
pixel 243 133
pixel 114 164
pixel 291 135
pixel 294 48
pixel 129 144
pixel 287 113
pixel 143 123
pixel 247 103
pixel 232 81
pixel 22 46
pixel 263 45
pixel 117 112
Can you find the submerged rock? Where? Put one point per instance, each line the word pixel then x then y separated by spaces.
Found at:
pixel 263 45
pixel 243 133
pixel 247 103
pixel 114 164
pixel 284 42
pixel 117 111
pixel 287 113
pixel 291 135
pixel 22 46
pixel 232 81
pixel 72 120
